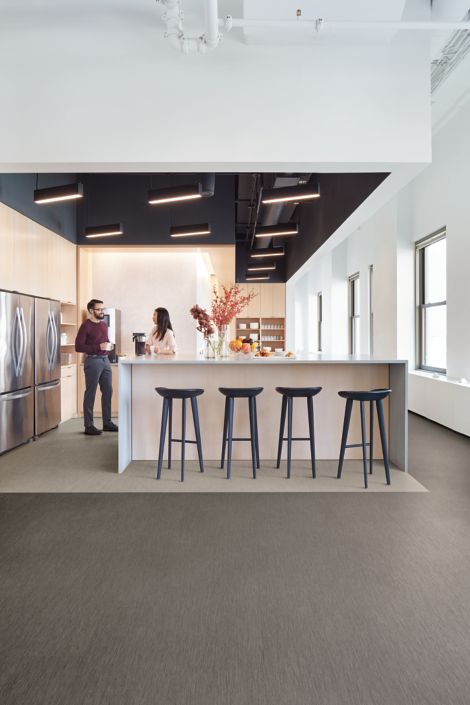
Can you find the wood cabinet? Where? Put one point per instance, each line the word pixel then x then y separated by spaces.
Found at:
pixel 269 302
pixel 68 392
pixel 35 260
pixel 97 406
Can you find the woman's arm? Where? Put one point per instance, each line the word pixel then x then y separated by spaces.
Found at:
pixel 169 347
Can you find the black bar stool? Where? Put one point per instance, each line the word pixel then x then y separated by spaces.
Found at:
pixel 288 394
pixel 232 393
pixel 376 395
pixel 167 412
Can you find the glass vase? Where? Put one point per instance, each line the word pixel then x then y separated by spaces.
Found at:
pixel 222 341
pixel 209 347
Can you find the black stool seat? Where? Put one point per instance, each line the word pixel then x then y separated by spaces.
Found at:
pixel 299 391
pixel 167 416
pixel 241 392
pixel 371 396
pixel 288 395
pixel 178 393
pixel 232 393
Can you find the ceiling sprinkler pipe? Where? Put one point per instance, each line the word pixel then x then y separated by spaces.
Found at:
pixel 173 17
pixel 321 23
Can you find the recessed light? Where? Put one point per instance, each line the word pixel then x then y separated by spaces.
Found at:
pixel 267 252
pixel 266 268
pixel 53 194
pixel 190 230
pixel 174 194
pixel 280 230
pixel 104 230
pixel 291 193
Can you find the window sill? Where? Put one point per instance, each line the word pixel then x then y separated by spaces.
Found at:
pixel 440 378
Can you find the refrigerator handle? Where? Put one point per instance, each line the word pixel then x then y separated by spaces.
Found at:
pixel 42 387
pixel 48 340
pixel 56 340
pixel 24 339
pixel 17 342
pixel 15 395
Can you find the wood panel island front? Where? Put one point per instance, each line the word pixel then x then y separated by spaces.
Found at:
pixel 140 406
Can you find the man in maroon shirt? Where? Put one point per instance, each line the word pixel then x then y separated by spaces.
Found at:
pixel 92 339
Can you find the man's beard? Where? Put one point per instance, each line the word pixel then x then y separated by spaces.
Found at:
pixel 100 316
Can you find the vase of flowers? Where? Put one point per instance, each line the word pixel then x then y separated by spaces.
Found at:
pixel 205 326
pixel 227 304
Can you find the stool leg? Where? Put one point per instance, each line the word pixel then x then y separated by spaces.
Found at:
pixel 231 403
pixel 344 438
pixel 224 440
pixel 183 436
pixel 363 435
pixel 311 431
pixel 371 439
pixel 256 432
pixel 170 429
pixel 281 429
pixel 289 434
pixel 383 438
pixel 252 435
pixel 197 431
pixel 162 437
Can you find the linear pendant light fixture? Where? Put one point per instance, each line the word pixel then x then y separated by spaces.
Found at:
pixel 257 279
pixel 104 230
pixel 291 193
pixel 190 230
pixel 174 194
pixel 280 230
pixel 264 268
pixel 53 194
pixel 267 252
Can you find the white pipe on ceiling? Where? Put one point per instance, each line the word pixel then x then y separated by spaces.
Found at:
pixel 319 23
pixel 173 17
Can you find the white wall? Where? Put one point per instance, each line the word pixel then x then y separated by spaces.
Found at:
pixel 137 283
pixel 102 87
pixel 437 197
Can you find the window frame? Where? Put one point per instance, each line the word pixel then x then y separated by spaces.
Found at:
pixel 352 315
pixel 371 309
pixel 420 305
pixel 319 321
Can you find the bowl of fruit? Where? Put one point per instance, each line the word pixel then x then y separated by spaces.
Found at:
pixel 243 347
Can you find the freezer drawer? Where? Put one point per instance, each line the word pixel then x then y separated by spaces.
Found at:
pixel 16 418
pixel 47 407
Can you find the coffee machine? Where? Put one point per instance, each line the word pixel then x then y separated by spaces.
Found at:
pixel 112 318
pixel 139 342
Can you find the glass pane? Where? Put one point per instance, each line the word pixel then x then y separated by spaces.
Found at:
pixel 435 337
pixel 357 335
pixel 356 296
pixel 435 272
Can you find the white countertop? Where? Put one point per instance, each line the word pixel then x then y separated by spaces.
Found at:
pixel 240 359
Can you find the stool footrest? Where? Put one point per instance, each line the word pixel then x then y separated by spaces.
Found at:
pixel 239 439
pixel 356 445
pixel 179 440
pixel 297 439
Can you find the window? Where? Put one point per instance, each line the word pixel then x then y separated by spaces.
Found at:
pixel 431 297
pixel 319 320
pixel 371 310
pixel 354 319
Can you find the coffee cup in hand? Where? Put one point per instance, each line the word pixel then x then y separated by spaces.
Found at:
pixel 106 346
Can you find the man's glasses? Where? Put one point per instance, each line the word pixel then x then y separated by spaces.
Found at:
pixel 98 309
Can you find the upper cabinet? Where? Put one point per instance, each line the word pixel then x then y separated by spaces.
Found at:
pixel 269 302
pixel 34 260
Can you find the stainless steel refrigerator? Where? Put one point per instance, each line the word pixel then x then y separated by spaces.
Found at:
pixel 16 369
pixel 47 364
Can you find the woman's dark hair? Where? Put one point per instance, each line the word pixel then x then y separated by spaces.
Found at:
pixel 163 322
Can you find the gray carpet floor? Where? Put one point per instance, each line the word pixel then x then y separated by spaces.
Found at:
pixel 242 599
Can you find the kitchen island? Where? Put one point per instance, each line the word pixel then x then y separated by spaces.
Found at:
pixel 140 406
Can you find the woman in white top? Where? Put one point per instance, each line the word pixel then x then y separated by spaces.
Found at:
pixel 161 336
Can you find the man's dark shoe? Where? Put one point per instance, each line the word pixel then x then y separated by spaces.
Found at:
pixel 110 427
pixel 92 431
